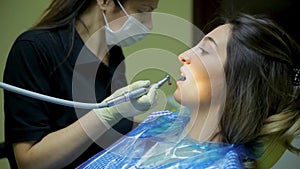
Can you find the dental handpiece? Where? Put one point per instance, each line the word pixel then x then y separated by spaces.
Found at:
pixel 134 94
pixel 120 99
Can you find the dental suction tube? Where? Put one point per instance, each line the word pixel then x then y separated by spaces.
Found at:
pixel 127 96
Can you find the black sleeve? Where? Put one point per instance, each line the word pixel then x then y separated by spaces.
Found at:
pixel 26 119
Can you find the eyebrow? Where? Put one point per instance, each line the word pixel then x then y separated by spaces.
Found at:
pixel 211 40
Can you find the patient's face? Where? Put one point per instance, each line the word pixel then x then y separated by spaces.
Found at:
pixel 202 69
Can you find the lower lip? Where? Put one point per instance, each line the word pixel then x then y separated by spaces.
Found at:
pixel 179 82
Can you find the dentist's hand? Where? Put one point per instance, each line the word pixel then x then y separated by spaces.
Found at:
pixel 111 115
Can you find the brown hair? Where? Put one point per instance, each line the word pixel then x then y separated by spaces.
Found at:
pixel 62 13
pixel 261 100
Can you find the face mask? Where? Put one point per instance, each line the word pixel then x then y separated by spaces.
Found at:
pixel 131 32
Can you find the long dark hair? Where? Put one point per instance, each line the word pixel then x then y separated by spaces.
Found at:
pixel 65 13
pixel 261 100
pixel 61 13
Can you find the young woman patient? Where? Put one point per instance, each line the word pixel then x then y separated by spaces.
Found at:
pixel 240 87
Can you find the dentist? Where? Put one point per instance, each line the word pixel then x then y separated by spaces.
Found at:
pixel 45 60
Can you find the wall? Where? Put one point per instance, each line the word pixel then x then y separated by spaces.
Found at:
pixel 17 15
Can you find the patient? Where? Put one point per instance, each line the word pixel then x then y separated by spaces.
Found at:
pixel 240 87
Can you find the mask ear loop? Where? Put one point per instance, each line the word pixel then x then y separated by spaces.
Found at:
pixel 105 19
pixel 129 16
pixel 123 9
pixel 121 6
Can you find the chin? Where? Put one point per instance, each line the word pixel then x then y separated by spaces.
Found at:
pixel 187 100
pixel 177 96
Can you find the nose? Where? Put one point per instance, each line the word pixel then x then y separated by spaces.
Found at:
pixel 184 58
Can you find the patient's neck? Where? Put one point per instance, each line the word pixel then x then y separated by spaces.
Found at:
pixel 203 125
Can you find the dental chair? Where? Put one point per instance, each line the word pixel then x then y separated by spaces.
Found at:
pixel 3 157
pixel 2 150
pixel 273 152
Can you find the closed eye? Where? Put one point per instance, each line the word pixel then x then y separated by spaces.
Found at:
pixel 199 51
pixel 203 52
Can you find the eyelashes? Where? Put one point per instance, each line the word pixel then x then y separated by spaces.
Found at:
pixel 199 51
pixel 203 52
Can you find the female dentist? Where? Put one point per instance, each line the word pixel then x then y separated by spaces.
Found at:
pixel 45 59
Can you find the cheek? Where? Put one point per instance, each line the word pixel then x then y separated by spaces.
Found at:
pixel 194 90
pixel 116 21
pixel 147 21
pixel 216 76
pixel 212 76
pixel 201 85
pixel 117 17
pixel 199 75
pixel 186 96
pixel 204 90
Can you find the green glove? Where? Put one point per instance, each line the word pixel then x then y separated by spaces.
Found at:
pixel 111 115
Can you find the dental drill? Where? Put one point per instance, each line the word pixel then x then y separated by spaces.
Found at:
pixel 125 97
pixel 131 95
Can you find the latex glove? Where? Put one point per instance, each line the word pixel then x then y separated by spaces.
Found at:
pixel 111 115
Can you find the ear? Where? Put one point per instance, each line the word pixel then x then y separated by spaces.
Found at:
pixel 103 4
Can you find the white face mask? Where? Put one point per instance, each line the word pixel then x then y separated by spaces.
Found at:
pixel 131 32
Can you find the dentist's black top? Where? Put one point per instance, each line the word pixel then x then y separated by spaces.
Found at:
pixel 41 61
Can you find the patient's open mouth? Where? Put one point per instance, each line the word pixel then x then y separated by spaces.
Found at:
pixel 182 79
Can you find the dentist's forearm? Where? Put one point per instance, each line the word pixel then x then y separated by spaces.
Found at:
pixel 60 148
